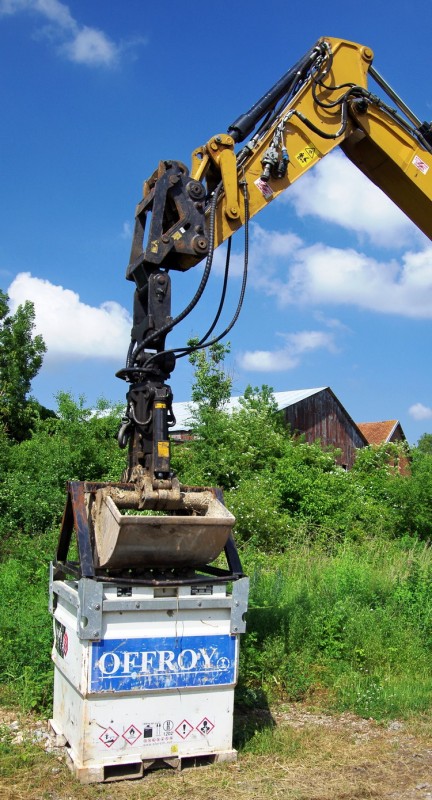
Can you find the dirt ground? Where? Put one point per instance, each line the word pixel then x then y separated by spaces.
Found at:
pixel 391 761
pixel 306 756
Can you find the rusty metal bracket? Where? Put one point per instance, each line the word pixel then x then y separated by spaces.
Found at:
pixel 177 225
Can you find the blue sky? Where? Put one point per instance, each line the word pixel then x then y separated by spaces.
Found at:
pixel 94 94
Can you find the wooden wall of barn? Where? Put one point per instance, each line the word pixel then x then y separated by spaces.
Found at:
pixel 322 417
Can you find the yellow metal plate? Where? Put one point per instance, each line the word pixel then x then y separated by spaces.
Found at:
pixel 163 449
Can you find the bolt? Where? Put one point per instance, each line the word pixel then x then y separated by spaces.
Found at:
pixel 200 244
pixel 218 139
pixel 97 607
pixel 199 604
pixel 237 603
pixel 96 634
pixel 137 605
pixel 165 238
pixel 235 629
pixel 214 146
pixel 367 54
pixel 234 211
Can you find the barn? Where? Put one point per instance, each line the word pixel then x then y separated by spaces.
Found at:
pixel 314 413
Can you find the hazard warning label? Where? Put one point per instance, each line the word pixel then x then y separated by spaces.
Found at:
pixel 205 726
pixel 184 729
pixel 264 188
pixel 132 734
pixel 61 639
pixel 159 732
pixel 420 164
pixel 308 154
pixel 108 737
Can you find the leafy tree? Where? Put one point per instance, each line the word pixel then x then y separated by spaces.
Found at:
pixel 212 385
pixel 229 446
pixel 412 497
pixel 21 355
pixel 281 488
pixel 424 444
pixel 380 460
pixel 78 444
pixel 211 391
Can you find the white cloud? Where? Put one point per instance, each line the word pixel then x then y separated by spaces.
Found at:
pixel 13 6
pixel 71 328
pixel 78 43
pixel 329 275
pixel 419 412
pixel 53 10
pixel 331 322
pixel 92 47
pixel 126 231
pixel 336 191
pixel 288 357
pixel 282 266
pixel 265 246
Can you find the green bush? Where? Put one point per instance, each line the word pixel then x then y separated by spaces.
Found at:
pixel 25 625
pixel 77 444
pixel 356 625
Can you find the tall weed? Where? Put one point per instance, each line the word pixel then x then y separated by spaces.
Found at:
pixel 354 628
pixel 26 626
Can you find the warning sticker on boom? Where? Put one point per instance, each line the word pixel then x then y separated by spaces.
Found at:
pixel 308 154
pixel 420 164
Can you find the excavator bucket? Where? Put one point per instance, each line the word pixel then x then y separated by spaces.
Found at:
pixel 194 538
pixel 122 536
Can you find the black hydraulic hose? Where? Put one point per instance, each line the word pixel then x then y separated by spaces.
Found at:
pixel 207 269
pixel 339 100
pixel 402 122
pixel 243 286
pixel 184 351
pixel 318 131
pixel 130 353
pixel 223 295
pixel 273 115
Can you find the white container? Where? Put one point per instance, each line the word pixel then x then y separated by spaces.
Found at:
pixel 144 675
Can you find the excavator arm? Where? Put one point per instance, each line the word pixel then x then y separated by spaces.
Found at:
pixel 323 102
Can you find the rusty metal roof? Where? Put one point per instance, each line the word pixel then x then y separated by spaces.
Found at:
pixel 378 432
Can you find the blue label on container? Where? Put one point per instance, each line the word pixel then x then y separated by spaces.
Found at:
pixel 119 665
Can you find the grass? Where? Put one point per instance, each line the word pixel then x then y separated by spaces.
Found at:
pixel 292 754
pixel 345 632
